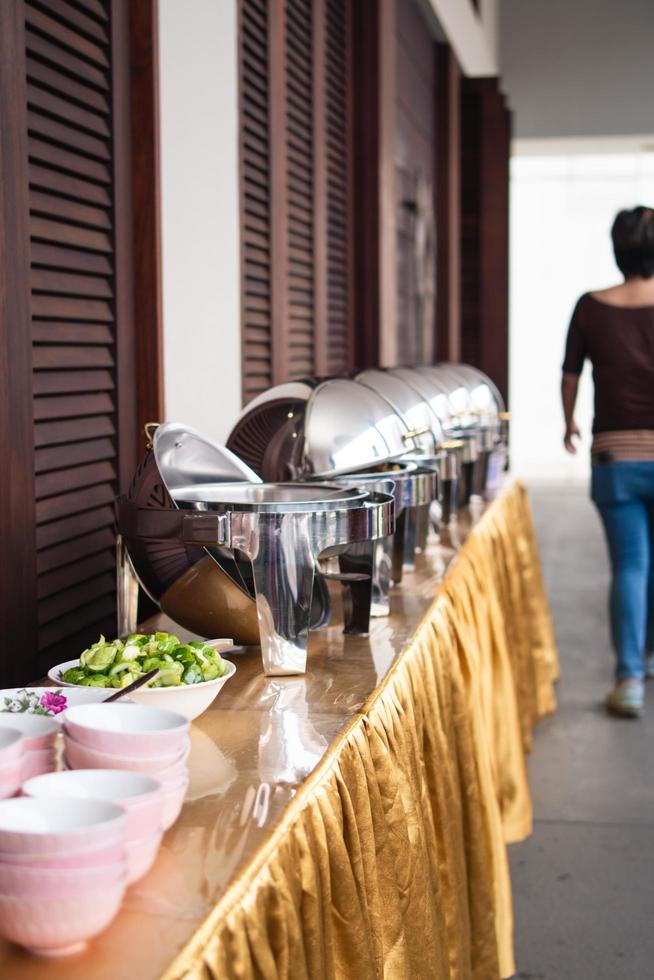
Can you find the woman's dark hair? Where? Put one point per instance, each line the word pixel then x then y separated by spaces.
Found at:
pixel 633 242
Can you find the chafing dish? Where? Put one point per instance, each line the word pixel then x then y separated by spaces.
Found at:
pixel 339 428
pixel 457 424
pixel 240 558
pixel 412 486
pixel 433 447
pixel 318 428
pixel 489 406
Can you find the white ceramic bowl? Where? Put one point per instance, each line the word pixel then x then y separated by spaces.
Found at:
pixel 38 731
pixel 20 700
pixel 128 729
pixel 78 756
pixel 63 925
pixel 55 827
pixel 189 700
pixel 141 796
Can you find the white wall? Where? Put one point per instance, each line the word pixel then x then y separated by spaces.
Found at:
pixel 200 216
pixel 562 208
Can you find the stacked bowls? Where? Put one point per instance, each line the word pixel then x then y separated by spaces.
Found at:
pixel 39 739
pixel 133 738
pixel 11 761
pixel 63 871
pixel 140 796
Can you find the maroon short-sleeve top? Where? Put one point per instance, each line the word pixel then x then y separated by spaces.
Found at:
pixel 619 343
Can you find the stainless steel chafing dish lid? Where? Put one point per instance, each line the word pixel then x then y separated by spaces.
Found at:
pixel 319 428
pixel 421 421
pixel 436 398
pixel 484 394
pixel 185 457
pixel 446 380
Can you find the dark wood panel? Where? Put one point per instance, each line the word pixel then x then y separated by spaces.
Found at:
pixel 72 454
pixel 76 502
pixel 57 605
pixel 485 152
pixel 71 15
pixel 78 571
pixel 58 481
pixel 46 281
pixel 63 109
pixel 67 540
pixel 58 382
pixel 85 616
pixel 61 257
pixel 71 357
pixel 73 211
pixel 73 405
pixel 17 568
pixel 73 430
pixel 448 205
pixel 146 190
pixel 49 76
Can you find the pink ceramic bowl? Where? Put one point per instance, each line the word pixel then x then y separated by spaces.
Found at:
pixel 38 731
pixel 35 762
pixel 80 756
pixel 57 828
pixel 173 802
pixel 141 854
pixel 109 851
pixel 128 729
pixel 11 745
pixel 141 796
pixel 34 881
pixel 61 925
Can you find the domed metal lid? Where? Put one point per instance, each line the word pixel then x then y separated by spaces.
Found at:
pixel 319 428
pixel 185 457
pixel 349 428
pixel 437 398
pixel 484 395
pixel 407 402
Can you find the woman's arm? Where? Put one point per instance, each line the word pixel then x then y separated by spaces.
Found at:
pixel 569 387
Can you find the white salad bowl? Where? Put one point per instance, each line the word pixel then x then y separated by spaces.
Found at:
pixel 189 700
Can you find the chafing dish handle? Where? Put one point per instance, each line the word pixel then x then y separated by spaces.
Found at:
pixel 144 522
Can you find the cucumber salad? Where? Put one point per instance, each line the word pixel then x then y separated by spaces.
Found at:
pixel 118 663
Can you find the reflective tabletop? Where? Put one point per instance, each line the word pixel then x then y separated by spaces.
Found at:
pixel 250 752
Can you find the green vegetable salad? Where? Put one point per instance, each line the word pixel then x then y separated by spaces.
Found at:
pixel 118 663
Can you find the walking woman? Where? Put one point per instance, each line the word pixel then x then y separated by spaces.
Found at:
pixel 614 329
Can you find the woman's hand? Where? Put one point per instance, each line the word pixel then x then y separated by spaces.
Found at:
pixel 572 431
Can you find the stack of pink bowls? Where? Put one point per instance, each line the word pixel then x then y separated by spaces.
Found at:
pixel 39 741
pixel 140 796
pixel 11 761
pixel 134 737
pixel 63 871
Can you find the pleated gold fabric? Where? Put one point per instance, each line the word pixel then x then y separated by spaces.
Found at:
pixel 391 859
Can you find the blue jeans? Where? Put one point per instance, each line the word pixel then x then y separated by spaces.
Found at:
pixel 624 495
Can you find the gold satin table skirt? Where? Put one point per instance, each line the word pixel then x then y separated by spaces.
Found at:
pixel 390 861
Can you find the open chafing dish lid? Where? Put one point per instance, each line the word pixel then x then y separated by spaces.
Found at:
pixel 407 402
pixel 186 458
pixel 319 428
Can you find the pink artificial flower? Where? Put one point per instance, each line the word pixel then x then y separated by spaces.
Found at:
pixel 53 702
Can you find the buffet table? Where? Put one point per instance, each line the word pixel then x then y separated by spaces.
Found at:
pixel 352 822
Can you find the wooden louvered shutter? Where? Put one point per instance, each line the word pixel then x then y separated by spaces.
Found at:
pixel 75 114
pixel 296 190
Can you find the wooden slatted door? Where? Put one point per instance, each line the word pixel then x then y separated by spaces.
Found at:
pixel 296 190
pixel 75 165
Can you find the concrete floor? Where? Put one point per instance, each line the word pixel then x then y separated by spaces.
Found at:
pixel 584 882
